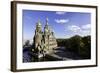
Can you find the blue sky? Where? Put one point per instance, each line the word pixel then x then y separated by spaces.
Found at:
pixel 64 24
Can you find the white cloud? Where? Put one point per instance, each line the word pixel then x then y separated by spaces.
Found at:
pixel 86 32
pixel 60 12
pixel 86 27
pixel 74 28
pixel 61 21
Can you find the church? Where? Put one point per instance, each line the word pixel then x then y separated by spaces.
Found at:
pixel 44 41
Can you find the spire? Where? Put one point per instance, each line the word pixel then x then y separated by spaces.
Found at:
pixel 46 21
pixel 38 23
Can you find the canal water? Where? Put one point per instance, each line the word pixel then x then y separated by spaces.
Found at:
pixel 61 52
pixel 27 57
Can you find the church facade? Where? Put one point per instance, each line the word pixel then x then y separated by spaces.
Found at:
pixel 44 41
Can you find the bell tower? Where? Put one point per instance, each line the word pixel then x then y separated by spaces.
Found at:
pixel 38 34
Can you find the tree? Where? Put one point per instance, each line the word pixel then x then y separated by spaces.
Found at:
pixel 75 43
pixel 87 47
pixel 78 45
pixel 27 43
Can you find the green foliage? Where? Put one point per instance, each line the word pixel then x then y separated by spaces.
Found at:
pixel 87 47
pixel 77 44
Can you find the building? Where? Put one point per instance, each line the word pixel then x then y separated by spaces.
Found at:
pixel 44 41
